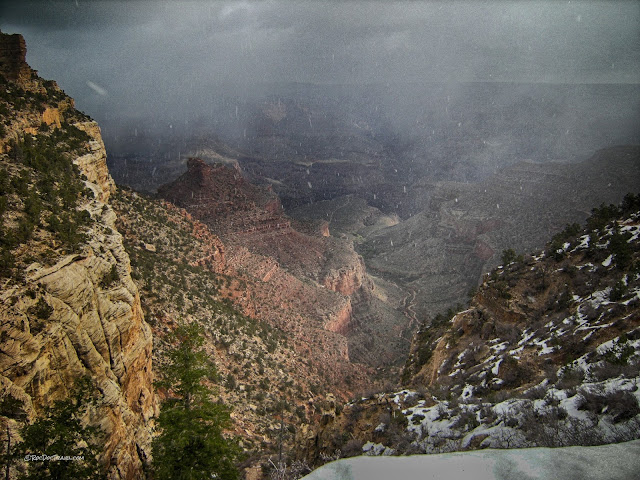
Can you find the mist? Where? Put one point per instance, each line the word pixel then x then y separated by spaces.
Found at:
pixel 444 89
pixel 166 54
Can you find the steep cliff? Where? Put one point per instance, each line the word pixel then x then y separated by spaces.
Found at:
pixel 280 268
pixel 68 306
pixel 13 54
pixel 536 311
pixel 271 335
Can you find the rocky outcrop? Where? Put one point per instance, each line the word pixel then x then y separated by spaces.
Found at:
pixel 539 312
pixel 94 163
pixel 13 53
pixel 95 329
pixel 316 317
pixel 339 321
pixel 219 196
pixel 347 279
pixel 23 81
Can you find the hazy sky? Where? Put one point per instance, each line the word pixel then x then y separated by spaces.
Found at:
pixel 124 50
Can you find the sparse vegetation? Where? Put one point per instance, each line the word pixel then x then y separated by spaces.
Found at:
pixel 254 358
pixel 566 335
pixel 42 190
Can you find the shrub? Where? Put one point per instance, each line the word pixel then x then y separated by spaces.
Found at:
pixel 619 352
pixel 602 215
pixel 620 248
pixel 605 370
pixel 111 277
pixel 352 448
pixel 570 377
pixel 620 404
pixel 508 256
pixel 535 393
pixel 42 310
pixel 630 203
pixel 466 421
pixel 514 373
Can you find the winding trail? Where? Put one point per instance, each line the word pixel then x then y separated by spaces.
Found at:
pixel 408 308
pixel 348 201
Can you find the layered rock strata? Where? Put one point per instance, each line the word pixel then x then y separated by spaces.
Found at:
pixel 77 315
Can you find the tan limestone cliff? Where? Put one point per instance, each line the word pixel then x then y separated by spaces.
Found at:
pixel 94 329
pixel 94 163
pixel 93 324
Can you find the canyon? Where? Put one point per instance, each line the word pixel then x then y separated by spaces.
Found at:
pixel 545 355
pixel 430 206
pixel 302 279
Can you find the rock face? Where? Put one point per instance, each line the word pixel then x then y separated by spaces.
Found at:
pixel 346 280
pixel 94 163
pixel 283 270
pixel 220 197
pixel 78 315
pixel 13 53
pixel 95 330
pixel 15 70
pixel 245 215
pixel 575 300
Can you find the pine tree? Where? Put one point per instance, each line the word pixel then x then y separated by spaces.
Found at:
pixel 191 444
pixel 61 432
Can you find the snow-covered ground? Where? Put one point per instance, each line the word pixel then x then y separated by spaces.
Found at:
pixel 606 462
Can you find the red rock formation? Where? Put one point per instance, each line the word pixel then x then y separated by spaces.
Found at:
pixel 346 280
pixel 297 281
pixel 220 197
pixel 339 322
pixel 246 215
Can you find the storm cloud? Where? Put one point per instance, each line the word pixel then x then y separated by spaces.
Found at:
pixel 151 50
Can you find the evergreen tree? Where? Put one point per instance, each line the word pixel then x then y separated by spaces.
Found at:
pixel 60 432
pixel 191 444
pixel 508 256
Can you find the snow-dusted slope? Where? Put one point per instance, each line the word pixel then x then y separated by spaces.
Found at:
pixel 611 462
pixel 547 355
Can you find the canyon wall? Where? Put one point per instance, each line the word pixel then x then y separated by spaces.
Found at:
pixel 77 313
